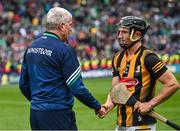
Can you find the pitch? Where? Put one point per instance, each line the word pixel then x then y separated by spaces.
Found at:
pixel 14 108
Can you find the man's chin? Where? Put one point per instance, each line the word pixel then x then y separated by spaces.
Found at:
pixel 124 46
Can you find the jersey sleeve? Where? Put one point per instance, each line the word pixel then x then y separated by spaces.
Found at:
pixel 114 71
pixel 24 80
pixel 72 73
pixel 154 65
pixel 70 66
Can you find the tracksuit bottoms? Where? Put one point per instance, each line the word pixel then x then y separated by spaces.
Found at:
pixel 62 119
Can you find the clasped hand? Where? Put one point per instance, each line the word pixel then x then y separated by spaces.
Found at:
pixel 102 112
pixel 105 108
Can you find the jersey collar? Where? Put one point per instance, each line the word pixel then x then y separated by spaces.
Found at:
pixel 51 35
pixel 138 49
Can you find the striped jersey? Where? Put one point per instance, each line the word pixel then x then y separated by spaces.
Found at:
pixel 146 68
pixel 51 75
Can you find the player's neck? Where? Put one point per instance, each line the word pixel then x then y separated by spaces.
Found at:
pixel 131 51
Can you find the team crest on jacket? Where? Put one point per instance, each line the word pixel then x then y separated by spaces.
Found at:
pixel 131 82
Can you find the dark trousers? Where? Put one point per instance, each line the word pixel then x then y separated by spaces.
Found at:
pixel 53 120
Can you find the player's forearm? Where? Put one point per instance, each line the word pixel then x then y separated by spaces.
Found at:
pixel 108 100
pixel 166 92
pixel 109 104
pixel 115 80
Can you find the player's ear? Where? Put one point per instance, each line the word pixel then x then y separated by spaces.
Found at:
pixel 135 35
pixel 60 26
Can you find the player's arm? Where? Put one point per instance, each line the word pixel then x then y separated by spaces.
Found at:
pixel 72 73
pixel 169 83
pixel 109 105
pixel 115 80
pixel 169 87
pixel 24 80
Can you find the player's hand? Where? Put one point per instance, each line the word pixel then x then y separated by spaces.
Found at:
pixel 136 105
pixel 144 108
pixel 107 107
pixel 101 112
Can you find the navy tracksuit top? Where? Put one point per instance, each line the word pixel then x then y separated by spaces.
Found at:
pixel 51 75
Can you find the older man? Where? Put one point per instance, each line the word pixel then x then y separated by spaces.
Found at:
pixel 51 77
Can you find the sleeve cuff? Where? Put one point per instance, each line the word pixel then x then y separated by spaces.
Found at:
pixel 99 107
pixel 116 73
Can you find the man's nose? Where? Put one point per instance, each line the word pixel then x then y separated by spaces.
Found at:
pixel 119 35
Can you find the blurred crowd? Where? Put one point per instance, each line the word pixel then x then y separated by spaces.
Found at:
pixel 95 29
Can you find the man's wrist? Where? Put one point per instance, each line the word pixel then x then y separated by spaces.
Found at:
pixel 151 104
pixel 98 108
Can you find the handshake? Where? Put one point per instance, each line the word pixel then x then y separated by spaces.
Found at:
pixel 104 110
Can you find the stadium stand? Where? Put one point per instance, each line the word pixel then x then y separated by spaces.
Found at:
pixel 95 30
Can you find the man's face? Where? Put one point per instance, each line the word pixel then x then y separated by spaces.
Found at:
pixel 68 28
pixel 124 37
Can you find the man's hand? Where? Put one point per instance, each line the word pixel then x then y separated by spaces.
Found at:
pixel 106 108
pixel 143 108
pixel 101 112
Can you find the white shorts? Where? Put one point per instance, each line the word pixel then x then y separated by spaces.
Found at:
pixel 137 128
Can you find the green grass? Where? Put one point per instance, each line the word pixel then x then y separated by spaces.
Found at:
pixel 14 108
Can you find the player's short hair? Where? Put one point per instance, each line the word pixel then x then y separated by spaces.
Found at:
pixel 134 22
pixel 56 16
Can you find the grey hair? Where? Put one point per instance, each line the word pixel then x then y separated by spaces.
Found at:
pixel 57 16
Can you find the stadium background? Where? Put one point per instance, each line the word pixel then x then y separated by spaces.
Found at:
pixel 95 40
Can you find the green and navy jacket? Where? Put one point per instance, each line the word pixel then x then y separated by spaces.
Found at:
pixel 51 75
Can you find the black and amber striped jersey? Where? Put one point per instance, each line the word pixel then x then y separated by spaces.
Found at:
pixel 146 68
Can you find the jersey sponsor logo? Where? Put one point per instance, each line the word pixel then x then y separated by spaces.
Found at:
pixel 41 51
pixel 131 82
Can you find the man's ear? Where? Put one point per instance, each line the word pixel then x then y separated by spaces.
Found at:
pixel 60 26
pixel 137 34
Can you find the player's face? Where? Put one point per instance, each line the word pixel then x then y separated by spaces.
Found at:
pixel 124 37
